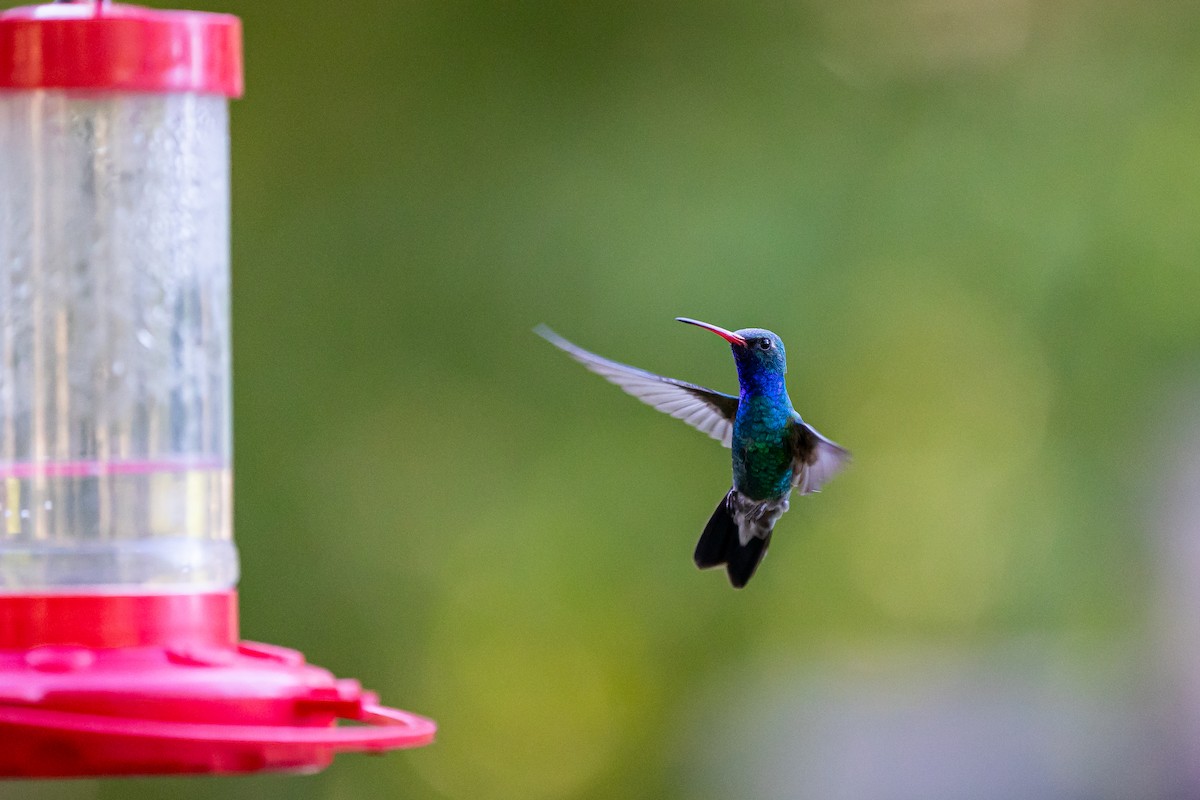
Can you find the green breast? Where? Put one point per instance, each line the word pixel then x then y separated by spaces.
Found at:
pixel 762 453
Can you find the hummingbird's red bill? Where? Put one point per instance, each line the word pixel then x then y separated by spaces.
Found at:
pixel 728 336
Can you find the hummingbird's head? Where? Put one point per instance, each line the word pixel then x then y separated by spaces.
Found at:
pixel 762 350
pixel 757 351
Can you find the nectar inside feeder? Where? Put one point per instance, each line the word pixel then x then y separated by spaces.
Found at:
pixel 119 650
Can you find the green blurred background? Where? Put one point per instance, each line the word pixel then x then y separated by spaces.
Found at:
pixel 973 222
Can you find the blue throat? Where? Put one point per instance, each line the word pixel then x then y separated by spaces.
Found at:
pixel 754 380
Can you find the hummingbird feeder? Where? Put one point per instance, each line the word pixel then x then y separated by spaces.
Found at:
pixel 119 649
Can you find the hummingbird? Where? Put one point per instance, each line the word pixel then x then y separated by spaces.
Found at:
pixel 774 450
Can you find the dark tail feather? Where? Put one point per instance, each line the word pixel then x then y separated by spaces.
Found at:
pixel 720 544
pixel 719 538
pixel 744 560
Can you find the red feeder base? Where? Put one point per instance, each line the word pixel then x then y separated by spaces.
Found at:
pixel 95 685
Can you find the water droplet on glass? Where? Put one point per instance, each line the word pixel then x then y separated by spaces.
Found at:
pixel 145 338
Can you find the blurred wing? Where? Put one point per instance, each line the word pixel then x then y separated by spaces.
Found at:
pixel 817 459
pixel 705 410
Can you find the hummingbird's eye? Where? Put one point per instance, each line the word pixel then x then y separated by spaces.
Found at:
pixel 764 343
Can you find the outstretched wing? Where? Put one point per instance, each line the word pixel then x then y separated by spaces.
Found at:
pixel 705 410
pixel 817 458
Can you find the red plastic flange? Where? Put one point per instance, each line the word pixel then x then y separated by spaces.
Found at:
pixel 116 47
pixel 388 728
pixel 158 684
pixel 45 743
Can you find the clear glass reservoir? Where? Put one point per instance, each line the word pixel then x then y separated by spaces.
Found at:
pixel 114 342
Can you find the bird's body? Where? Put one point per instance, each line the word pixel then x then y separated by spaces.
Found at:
pixel 774 450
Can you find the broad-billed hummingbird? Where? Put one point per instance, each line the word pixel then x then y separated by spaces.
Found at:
pixel 774 450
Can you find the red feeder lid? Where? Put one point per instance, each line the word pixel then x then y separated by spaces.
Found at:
pixel 159 684
pixel 115 47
